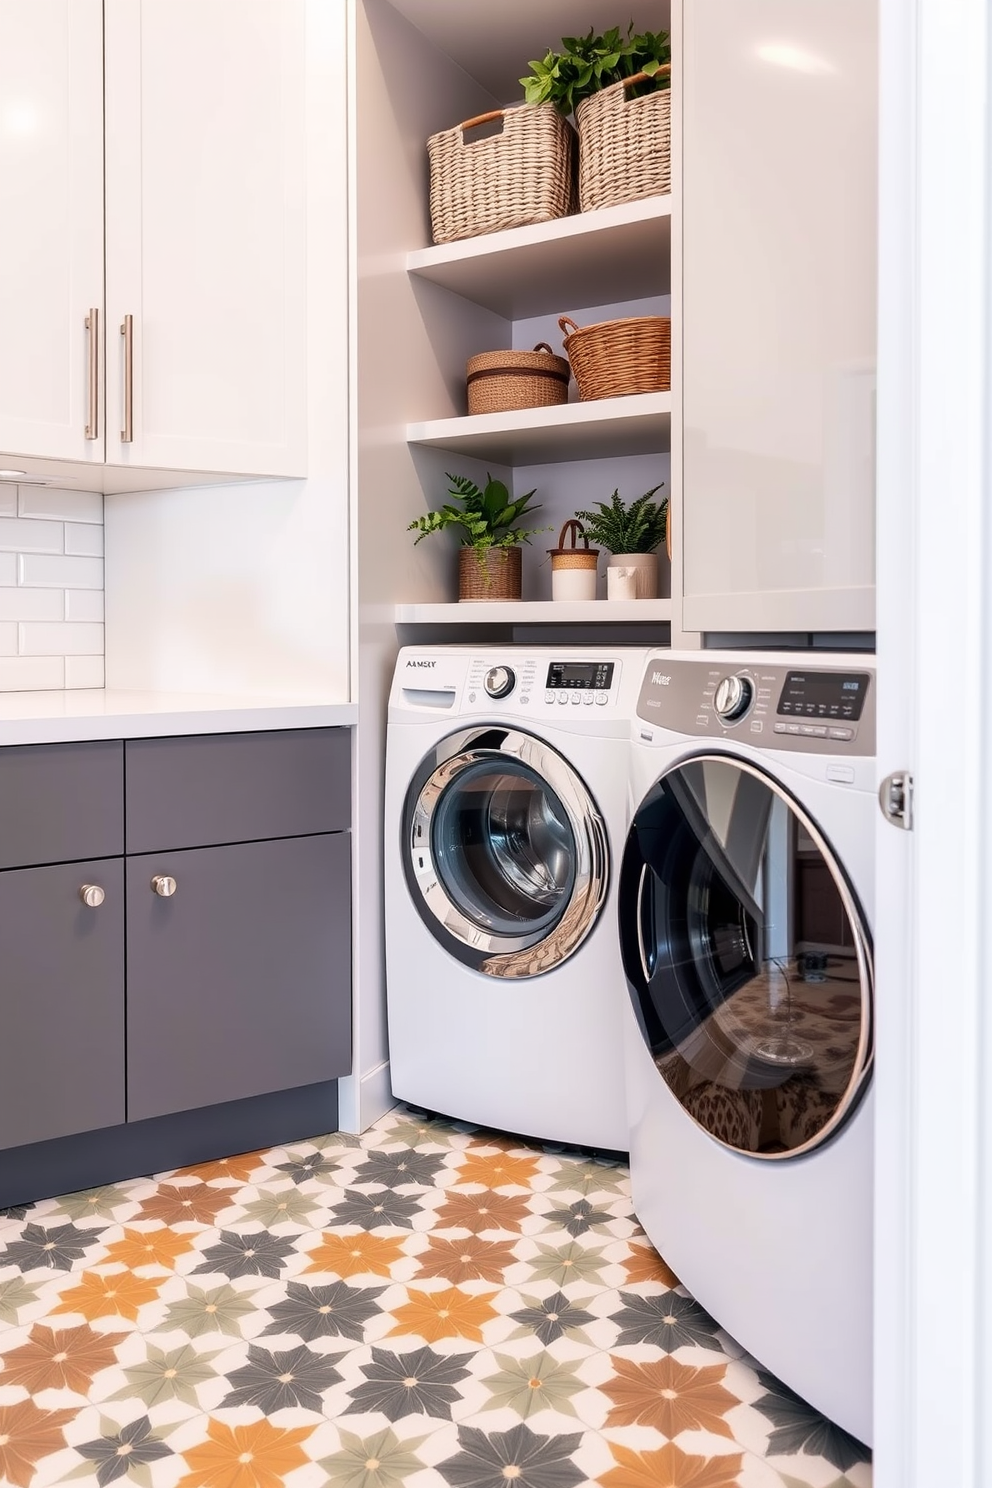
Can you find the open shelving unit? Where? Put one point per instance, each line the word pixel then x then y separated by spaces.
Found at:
pixel 636 425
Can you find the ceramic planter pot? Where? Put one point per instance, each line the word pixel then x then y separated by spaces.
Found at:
pixel 646 565
pixel 488 573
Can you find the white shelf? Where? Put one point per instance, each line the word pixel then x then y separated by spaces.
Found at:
pixel 536 612
pixel 640 424
pixel 559 265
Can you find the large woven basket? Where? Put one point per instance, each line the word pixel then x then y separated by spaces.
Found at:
pixel 499 381
pixel 525 173
pixel 616 357
pixel 625 144
pixel 489 573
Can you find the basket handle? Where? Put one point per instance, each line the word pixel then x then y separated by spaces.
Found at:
pixel 481 119
pixel 646 77
pixel 567 324
pixel 572 529
pixel 543 346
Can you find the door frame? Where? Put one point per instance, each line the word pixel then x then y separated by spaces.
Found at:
pixel 933 1211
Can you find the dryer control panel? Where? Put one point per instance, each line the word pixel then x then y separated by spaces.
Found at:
pixel 826 709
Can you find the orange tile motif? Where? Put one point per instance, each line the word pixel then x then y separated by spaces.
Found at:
pixel 645 1264
pixel 26 1435
pixel 60 1359
pixel 670 1396
pixel 255 1456
pixel 670 1467
pixel 501 1170
pixel 479 1212
pixel 99 1295
pixel 141 1249
pixel 448 1314
pixel 237 1169
pixel 197 1202
pixel 471 1259
pixel 363 1254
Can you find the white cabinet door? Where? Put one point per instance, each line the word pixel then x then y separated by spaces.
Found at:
pixel 51 227
pixel 779 244
pixel 205 121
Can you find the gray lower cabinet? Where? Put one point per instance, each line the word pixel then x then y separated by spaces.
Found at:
pixel 238 982
pixel 61 1001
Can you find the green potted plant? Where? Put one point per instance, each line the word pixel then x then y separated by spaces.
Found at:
pixel 630 532
pixel 587 64
pixel 487 523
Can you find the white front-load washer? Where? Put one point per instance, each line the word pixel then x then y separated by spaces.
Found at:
pixel 745 907
pixel 506 794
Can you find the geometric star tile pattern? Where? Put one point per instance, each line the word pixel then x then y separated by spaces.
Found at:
pixel 429 1305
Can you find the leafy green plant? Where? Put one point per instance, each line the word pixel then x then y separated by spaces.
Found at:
pixel 487 518
pixel 620 528
pixel 587 63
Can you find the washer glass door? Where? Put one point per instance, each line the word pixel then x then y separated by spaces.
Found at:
pixel 505 851
pixel 747 958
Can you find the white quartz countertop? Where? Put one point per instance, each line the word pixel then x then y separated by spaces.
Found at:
pixel 59 717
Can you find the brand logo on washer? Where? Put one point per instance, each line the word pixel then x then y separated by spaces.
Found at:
pixel 660 679
pixel 421 663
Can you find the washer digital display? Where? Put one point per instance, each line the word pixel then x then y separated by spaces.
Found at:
pixel 823 695
pixel 594 674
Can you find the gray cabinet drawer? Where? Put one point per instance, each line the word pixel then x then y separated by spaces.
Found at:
pixel 240 982
pixel 216 788
pixel 59 802
pixel 61 1002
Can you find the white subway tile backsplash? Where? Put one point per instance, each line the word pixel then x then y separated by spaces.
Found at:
pixel 8 640
pixel 80 604
pixel 8 500
pixel 59 639
pixel 8 569
pixel 60 506
pixel 84 671
pixel 46 572
pixel 32 673
pixel 85 540
pixel 20 536
pixel 37 604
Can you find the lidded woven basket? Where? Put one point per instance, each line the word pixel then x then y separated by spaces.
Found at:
pixel 616 357
pixel 625 144
pixel 524 173
pixel 499 381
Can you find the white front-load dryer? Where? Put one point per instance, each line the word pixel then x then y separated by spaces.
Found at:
pixel 506 799
pixel 745 907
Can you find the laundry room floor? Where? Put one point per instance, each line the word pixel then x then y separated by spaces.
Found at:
pixel 427 1305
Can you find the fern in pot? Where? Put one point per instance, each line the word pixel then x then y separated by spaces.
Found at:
pixel 630 532
pixel 487 522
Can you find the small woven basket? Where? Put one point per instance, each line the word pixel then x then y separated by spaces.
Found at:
pixel 489 573
pixel 499 381
pixel 615 357
pixel 525 173
pixel 573 556
pixel 625 144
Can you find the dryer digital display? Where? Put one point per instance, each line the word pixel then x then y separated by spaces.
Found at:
pixel 594 674
pixel 823 695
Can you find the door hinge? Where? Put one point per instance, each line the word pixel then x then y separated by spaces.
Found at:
pixel 895 797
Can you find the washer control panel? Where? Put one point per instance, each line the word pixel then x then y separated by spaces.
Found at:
pixel 829 709
pixel 537 683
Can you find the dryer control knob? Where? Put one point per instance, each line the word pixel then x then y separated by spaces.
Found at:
pixel 733 698
pixel 500 681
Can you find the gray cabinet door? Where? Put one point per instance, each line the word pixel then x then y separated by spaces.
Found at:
pixel 61 801
pixel 61 1002
pixel 239 983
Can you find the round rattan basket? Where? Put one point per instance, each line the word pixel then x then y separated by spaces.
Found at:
pixel 524 173
pixel 625 144
pixel 499 381
pixel 616 357
pixel 488 573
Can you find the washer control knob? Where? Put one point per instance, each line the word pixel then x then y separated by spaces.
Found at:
pixel 499 681
pixel 733 698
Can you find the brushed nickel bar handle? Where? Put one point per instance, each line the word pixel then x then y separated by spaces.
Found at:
pixel 127 331
pixel 93 399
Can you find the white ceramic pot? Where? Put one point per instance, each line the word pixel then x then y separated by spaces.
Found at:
pixel 573 583
pixel 646 567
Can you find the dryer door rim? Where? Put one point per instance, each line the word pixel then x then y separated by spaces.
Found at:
pixel 492 952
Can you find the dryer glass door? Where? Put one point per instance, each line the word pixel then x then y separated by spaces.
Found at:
pixel 747 958
pixel 505 852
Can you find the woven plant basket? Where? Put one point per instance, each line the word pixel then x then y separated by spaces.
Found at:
pixel 488 573
pixel 499 381
pixel 625 144
pixel 526 173
pixel 615 357
pixel 573 569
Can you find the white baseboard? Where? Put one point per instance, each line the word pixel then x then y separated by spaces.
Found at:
pixel 363 1100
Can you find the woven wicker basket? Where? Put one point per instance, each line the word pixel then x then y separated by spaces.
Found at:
pixel 499 381
pixel 573 556
pixel 616 357
pixel 625 144
pixel 489 573
pixel 526 173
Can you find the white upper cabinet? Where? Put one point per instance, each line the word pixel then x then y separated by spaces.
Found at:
pixel 779 273
pixel 51 232
pixel 206 225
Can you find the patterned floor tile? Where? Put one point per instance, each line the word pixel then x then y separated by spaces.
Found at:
pixel 429 1305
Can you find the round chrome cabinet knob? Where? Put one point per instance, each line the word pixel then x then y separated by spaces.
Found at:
pixel 500 681
pixel 163 885
pixel 733 698
pixel 92 895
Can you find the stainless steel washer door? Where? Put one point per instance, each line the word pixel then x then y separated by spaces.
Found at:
pixel 747 957
pixel 505 851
